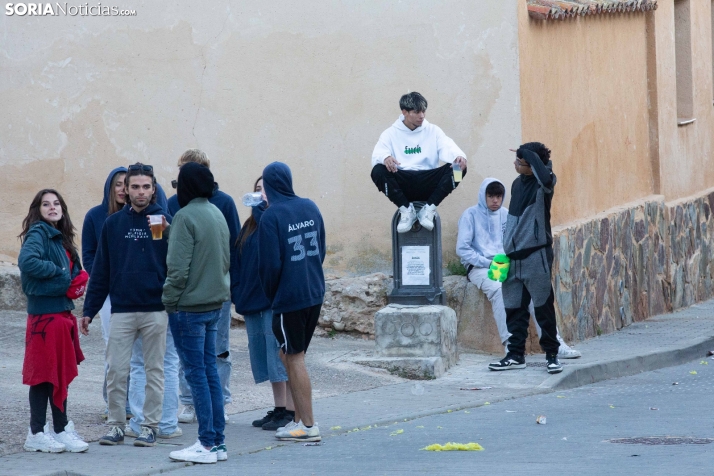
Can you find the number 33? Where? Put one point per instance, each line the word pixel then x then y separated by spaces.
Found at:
pixel 296 241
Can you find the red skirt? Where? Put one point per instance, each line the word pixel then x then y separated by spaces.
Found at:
pixel 52 352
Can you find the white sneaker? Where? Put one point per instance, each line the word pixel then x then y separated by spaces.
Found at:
pixel 289 426
pixel 129 432
pixel 426 216
pixel 300 433
pixel 565 351
pixel 196 453
pixel 42 442
pixel 175 434
pixel 222 452
pixel 225 416
pixel 407 217
pixel 69 438
pixel 188 414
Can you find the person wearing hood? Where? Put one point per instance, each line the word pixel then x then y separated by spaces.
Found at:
pixel 130 267
pixel 197 284
pixel 405 164
pixel 252 303
pixel 291 245
pixel 113 201
pixel 528 243
pixel 227 206
pixel 480 239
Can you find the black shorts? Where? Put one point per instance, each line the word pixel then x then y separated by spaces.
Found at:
pixel 294 329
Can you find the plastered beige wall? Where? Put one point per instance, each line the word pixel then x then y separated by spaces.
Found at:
pixel 685 152
pixel 584 94
pixel 312 85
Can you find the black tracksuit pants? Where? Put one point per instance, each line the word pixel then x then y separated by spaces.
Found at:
pixel 39 395
pixel 530 278
pixel 406 186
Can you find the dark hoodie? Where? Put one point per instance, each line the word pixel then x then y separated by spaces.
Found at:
pixel 291 241
pixel 246 292
pixel 225 204
pixel 95 217
pixel 129 266
pixel 528 225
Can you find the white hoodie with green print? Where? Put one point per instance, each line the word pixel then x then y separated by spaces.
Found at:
pixel 418 149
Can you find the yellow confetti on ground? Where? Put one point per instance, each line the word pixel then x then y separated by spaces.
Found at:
pixel 396 432
pixel 693 372
pixel 336 428
pixel 487 403
pixel 449 411
pixel 439 427
pixel 454 447
pixel 561 396
pixel 703 362
pixel 366 427
pixel 466 411
pixel 420 426
pixel 268 447
pixel 612 406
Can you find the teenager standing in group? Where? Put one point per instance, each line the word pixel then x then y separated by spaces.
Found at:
pixel 130 267
pixel 51 277
pixel 291 243
pixel 227 206
pixel 252 303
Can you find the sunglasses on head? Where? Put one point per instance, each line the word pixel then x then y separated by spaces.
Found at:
pixel 142 167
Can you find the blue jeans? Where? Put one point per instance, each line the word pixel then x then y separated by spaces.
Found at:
pixel 137 384
pixel 195 338
pixel 223 364
pixel 263 347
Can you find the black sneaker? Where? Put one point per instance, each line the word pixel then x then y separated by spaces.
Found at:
pixel 147 437
pixel 510 361
pixel 279 420
pixel 268 416
pixel 114 437
pixel 554 366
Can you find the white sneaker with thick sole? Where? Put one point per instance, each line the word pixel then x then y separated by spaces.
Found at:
pixel 426 216
pixel 567 352
pixel 196 453
pixel 188 414
pixel 166 436
pixel 300 433
pixel 289 426
pixel 43 442
pixel 69 438
pixel 222 452
pixel 407 217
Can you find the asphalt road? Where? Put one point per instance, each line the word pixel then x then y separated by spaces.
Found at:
pixel 577 438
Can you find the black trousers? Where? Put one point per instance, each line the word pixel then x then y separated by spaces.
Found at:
pixel 39 395
pixel 528 279
pixel 405 186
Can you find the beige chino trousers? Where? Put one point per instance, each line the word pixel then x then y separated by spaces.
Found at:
pixel 125 328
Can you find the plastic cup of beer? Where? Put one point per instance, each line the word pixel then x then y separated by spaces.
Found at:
pixel 457 172
pixel 157 229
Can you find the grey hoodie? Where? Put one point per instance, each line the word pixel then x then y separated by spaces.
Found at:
pixel 481 231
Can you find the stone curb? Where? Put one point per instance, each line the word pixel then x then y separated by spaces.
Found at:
pixel 576 376
pixel 158 470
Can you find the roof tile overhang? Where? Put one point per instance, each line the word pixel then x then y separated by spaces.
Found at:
pixel 562 9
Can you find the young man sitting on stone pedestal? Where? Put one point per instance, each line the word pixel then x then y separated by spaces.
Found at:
pixel 405 163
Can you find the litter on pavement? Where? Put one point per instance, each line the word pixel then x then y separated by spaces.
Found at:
pixel 454 447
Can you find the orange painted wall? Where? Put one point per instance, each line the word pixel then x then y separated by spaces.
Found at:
pixel 584 94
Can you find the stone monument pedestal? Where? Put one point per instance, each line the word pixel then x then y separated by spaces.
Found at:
pixel 417 342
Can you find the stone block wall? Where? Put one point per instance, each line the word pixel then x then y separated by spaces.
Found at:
pixel 632 263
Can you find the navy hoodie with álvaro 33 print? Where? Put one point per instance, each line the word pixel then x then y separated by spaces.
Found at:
pixel 129 265
pixel 291 243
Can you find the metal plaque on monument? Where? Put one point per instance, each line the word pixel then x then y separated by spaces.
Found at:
pixel 416 256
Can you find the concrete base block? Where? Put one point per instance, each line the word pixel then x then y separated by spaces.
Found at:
pixel 425 368
pixel 417 335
